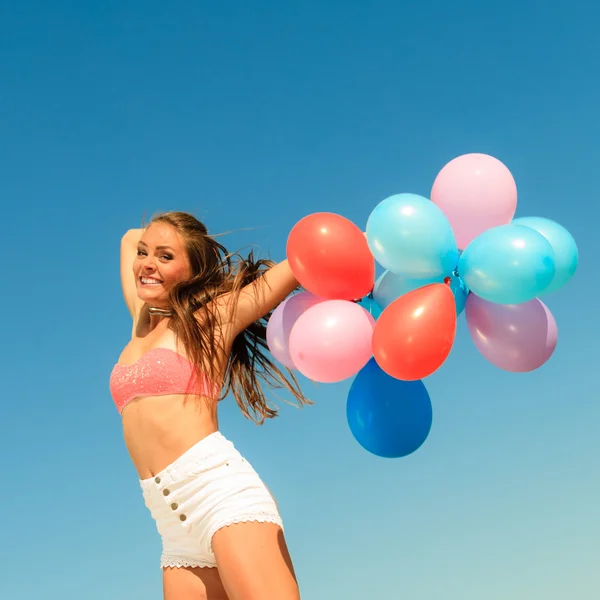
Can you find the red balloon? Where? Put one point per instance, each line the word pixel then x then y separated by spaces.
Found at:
pixel 330 257
pixel 415 333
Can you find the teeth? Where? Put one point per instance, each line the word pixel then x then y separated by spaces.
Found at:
pixel 148 280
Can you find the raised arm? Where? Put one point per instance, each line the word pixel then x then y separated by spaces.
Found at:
pixel 263 295
pixel 129 244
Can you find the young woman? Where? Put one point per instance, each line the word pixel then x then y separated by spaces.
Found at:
pixel 199 328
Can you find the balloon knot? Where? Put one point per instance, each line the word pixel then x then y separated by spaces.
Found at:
pixel 447 280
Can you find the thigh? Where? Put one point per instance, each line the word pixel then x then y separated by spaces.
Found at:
pixel 192 583
pixel 254 562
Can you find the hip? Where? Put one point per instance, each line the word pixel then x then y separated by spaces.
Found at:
pixel 208 487
pixel 210 474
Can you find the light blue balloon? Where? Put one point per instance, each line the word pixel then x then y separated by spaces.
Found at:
pixel 408 234
pixel 566 255
pixel 508 264
pixel 390 286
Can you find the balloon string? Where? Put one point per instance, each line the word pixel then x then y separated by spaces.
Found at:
pixel 369 295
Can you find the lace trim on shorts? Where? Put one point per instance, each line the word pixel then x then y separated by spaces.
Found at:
pixel 169 560
pixel 253 517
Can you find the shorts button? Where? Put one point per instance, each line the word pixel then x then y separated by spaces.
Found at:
pixel 157 479
pixel 166 492
pixel 182 517
pixel 174 506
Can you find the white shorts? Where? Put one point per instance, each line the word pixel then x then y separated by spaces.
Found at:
pixel 208 487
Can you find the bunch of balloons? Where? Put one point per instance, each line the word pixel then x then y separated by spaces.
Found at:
pixel 460 250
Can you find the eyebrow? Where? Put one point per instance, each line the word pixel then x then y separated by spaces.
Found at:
pixel 157 247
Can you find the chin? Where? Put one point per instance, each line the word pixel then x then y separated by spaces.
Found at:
pixel 148 296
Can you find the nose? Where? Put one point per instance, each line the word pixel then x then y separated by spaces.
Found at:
pixel 147 264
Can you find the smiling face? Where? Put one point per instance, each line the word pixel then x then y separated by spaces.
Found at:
pixel 161 262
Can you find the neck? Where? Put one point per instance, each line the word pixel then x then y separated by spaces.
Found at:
pixel 156 314
pixel 160 312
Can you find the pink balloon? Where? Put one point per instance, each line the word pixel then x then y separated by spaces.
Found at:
pixel 475 192
pixel 513 337
pixel 332 341
pixel 282 321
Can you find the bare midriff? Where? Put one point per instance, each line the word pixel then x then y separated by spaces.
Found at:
pixel 159 429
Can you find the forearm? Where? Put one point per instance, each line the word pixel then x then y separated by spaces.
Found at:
pixel 283 278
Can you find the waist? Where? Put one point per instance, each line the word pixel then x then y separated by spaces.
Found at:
pixel 207 453
pixel 159 429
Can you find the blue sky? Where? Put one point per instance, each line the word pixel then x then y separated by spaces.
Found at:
pixel 253 115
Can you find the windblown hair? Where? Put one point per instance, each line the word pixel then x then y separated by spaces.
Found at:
pixel 196 321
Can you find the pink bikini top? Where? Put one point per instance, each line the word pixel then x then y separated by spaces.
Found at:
pixel 159 372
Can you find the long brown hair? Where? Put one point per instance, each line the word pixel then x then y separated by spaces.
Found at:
pixel 215 272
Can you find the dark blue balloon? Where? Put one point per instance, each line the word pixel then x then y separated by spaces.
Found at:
pixel 388 417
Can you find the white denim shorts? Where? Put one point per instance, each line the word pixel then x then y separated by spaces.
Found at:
pixel 208 487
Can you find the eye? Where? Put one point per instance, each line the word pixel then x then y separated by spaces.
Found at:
pixel 140 253
pixel 167 257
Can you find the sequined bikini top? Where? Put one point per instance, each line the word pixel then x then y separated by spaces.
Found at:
pixel 159 372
